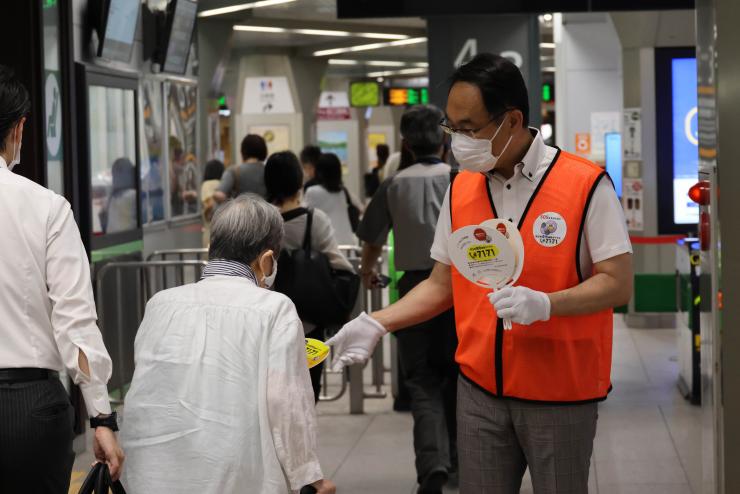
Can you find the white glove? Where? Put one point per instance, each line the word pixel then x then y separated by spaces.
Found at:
pixel 355 342
pixel 521 304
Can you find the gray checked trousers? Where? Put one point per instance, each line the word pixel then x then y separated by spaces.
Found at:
pixel 498 438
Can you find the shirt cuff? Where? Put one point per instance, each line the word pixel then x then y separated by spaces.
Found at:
pixel 305 475
pixel 96 399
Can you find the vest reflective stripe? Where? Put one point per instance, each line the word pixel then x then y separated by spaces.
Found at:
pixel 566 359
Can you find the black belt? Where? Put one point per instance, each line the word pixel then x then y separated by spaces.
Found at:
pixel 22 375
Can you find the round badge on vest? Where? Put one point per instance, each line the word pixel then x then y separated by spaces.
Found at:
pixel 549 229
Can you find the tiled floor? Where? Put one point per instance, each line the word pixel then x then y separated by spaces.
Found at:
pixel 648 439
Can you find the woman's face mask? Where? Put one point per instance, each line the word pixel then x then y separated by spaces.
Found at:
pixel 269 280
pixel 475 155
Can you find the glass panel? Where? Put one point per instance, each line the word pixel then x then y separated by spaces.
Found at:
pixel 152 160
pixel 52 97
pixel 185 173
pixel 112 159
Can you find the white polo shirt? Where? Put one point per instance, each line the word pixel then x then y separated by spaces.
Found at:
pixel 605 230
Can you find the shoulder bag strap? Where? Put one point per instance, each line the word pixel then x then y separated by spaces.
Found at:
pixel 307 235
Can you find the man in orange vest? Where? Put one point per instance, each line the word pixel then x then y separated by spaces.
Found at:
pixel 528 396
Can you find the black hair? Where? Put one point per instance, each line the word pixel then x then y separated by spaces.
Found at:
pixel 310 154
pixel 382 151
pixel 421 131
pixel 254 146
pixel 329 172
pixel 214 170
pixel 123 176
pixel 14 103
pixel 283 177
pixel 500 83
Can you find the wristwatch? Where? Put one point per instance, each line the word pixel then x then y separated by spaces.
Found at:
pixel 111 422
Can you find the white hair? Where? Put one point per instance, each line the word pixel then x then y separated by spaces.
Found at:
pixel 245 227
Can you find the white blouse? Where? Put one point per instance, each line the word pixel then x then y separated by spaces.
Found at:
pixel 221 400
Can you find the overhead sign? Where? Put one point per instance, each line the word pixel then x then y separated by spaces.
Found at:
pixel 333 105
pixel 454 40
pixel 267 95
pixel 406 96
pixel 364 93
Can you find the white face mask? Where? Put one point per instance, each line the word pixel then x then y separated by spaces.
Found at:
pixel 268 281
pixel 16 156
pixel 475 154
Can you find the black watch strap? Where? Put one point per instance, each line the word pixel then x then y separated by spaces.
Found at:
pixel 110 422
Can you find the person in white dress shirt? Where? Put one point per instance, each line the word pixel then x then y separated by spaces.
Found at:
pixel 48 325
pixel 221 400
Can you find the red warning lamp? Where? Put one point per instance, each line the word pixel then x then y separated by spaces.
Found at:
pixel 699 193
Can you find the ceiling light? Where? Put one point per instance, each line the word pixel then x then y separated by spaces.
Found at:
pixel 547 17
pixel 260 29
pixel 318 32
pixel 376 63
pixel 547 45
pixel 548 69
pixel 321 32
pixel 370 46
pixel 381 35
pixel 244 6
pixel 339 61
pixel 385 63
pixel 389 73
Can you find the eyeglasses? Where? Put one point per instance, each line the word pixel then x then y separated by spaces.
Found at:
pixel 468 132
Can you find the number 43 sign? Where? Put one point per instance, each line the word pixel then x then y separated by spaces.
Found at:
pixel 470 50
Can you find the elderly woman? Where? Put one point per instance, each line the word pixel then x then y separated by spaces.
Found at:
pixel 221 397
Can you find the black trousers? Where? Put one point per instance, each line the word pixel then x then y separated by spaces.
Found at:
pixel 36 421
pixel 427 356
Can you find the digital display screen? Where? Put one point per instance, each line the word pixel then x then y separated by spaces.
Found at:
pixel 407 96
pixel 364 94
pixel 120 28
pixel 180 36
pixel 613 154
pixel 685 139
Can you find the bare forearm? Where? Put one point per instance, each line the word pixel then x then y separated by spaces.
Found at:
pixel 429 298
pixel 219 196
pixel 602 291
pixel 370 254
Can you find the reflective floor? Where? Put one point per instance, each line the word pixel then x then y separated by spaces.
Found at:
pixel 648 439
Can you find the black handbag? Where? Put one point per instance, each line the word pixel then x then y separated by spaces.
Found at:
pixel 352 211
pixel 322 296
pixel 98 481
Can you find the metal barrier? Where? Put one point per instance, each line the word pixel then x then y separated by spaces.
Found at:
pixel 171 267
pixel 143 280
pixel 369 300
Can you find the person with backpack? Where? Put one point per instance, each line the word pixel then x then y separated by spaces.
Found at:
pixel 310 229
pixel 331 196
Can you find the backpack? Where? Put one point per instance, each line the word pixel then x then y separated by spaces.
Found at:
pixel 322 295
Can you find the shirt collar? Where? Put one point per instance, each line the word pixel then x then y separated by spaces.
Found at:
pixel 533 158
pixel 3 164
pixel 225 267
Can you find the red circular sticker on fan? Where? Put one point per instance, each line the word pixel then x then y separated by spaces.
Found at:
pixel 480 234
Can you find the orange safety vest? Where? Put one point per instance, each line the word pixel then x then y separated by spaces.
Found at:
pixel 565 359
